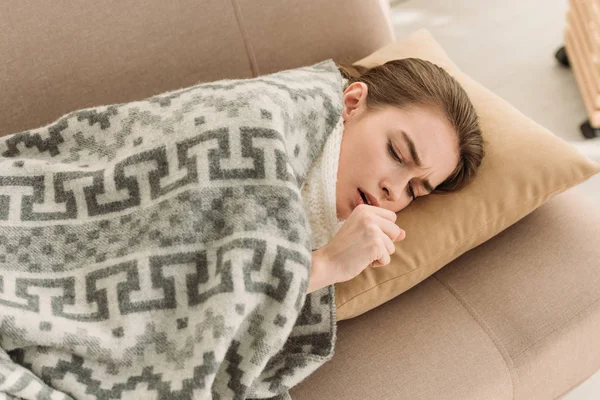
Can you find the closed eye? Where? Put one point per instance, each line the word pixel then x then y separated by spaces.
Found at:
pixel 395 156
pixel 393 152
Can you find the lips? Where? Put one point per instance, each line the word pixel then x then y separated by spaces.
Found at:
pixel 358 200
pixel 372 200
pixel 364 197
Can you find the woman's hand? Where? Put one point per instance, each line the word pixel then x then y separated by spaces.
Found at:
pixel 365 239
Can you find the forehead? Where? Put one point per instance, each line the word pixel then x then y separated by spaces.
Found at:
pixel 424 119
pixel 433 135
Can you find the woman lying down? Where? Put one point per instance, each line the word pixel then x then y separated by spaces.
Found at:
pixel 186 246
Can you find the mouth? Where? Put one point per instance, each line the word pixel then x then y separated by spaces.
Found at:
pixel 369 199
pixel 361 198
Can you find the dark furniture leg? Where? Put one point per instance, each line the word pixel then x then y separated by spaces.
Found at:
pixel 561 56
pixel 588 130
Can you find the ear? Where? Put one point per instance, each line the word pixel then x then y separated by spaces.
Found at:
pixel 355 100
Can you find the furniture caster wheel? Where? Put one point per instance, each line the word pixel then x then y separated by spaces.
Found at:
pixel 588 131
pixel 561 56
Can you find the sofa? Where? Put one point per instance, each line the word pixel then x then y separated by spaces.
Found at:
pixel 517 317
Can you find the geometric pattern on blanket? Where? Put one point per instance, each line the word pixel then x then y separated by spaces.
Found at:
pixel 159 249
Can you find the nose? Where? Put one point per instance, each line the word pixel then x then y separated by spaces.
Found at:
pixel 393 191
pixel 389 193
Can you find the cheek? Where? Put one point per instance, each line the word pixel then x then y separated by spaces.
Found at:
pixel 402 206
pixel 352 155
pixel 363 158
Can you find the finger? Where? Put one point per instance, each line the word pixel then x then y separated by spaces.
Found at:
pixel 385 258
pixel 393 231
pixel 389 245
pixel 401 235
pixel 382 212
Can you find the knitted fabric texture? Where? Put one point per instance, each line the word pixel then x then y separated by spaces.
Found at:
pixel 160 249
pixel 319 190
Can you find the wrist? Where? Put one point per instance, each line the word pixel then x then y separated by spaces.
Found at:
pixel 320 274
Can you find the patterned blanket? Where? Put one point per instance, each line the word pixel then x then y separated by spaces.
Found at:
pixel 159 249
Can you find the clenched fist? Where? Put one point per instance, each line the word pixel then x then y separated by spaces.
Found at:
pixel 365 239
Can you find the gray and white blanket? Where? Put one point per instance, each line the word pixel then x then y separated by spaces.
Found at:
pixel 159 249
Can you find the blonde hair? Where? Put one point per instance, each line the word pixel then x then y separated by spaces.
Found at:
pixel 414 82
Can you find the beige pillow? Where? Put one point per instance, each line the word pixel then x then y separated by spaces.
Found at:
pixel 525 165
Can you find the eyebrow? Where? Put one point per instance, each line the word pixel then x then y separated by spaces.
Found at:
pixel 415 156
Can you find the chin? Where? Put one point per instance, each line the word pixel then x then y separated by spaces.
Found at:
pixel 341 214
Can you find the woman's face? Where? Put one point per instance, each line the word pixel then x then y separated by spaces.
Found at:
pixel 367 162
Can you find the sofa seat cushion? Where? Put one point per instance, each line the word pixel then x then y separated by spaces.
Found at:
pixel 514 318
pixel 539 301
pixel 421 345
